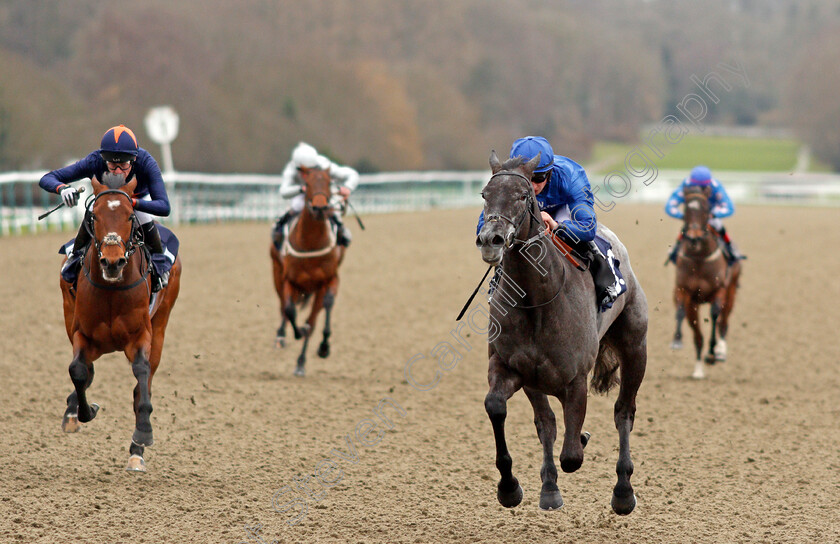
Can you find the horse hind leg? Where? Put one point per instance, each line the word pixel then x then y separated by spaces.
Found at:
pixel 324 347
pixel 726 311
pixel 143 436
pixel 503 384
pixel 633 362
pixel 713 340
pixel 546 424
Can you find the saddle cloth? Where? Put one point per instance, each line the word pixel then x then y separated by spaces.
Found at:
pixel 620 286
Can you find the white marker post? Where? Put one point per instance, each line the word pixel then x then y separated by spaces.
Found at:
pixel 162 127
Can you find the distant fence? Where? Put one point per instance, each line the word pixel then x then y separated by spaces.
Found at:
pixel 201 198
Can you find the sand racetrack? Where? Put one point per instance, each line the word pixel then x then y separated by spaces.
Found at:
pixel 751 454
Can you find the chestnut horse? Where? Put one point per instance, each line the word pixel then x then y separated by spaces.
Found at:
pixel 552 336
pixel 703 277
pixel 307 264
pixel 109 311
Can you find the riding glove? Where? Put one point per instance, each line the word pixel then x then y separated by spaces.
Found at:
pixel 70 196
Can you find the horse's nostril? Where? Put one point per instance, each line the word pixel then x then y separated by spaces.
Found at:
pixel 121 261
pixel 103 262
pixel 497 241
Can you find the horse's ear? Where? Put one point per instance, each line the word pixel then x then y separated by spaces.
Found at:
pixel 97 186
pixel 495 165
pixel 130 187
pixel 532 164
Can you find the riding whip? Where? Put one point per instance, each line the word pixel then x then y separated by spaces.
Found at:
pixel 43 215
pixel 359 219
pixel 467 305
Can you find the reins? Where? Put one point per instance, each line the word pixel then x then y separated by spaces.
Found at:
pixel 129 248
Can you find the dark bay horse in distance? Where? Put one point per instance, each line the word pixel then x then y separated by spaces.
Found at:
pixel 703 277
pixel 553 336
pixel 307 264
pixel 108 310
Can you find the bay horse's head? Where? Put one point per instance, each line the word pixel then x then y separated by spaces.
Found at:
pixel 113 224
pixel 317 190
pixel 696 218
pixel 509 202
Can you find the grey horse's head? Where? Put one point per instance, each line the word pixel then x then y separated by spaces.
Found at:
pixel 507 199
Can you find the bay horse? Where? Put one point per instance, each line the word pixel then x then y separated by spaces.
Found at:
pixel 703 277
pixel 109 310
pixel 553 336
pixel 307 264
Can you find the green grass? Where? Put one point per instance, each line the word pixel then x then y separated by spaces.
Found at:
pixel 716 152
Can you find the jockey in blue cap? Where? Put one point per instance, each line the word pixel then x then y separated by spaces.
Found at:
pixel 118 154
pixel 564 196
pixel 720 206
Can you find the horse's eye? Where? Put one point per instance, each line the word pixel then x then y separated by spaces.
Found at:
pixel 482 195
pixel 523 197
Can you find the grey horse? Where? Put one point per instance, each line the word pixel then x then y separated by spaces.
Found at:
pixel 551 335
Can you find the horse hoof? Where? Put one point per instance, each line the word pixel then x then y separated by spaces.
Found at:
pixel 324 351
pixel 305 330
pixel 720 351
pixel 698 371
pixel 509 499
pixel 93 408
pixel 142 438
pixel 280 342
pixel 300 372
pixel 551 500
pixel 623 506
pixel 676 344
pixel 70 423
pixel 136 464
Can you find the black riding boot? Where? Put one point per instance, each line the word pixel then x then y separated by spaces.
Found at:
pixel 732 253
pixel 82 237
pixel 277 235
pixel 151 238
pixel 342 236
pixel 606 290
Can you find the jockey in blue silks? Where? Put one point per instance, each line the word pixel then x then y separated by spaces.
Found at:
pixel 118 154
pixel 564 196
pixel 720 206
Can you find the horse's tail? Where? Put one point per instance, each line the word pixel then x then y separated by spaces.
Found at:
pixel 605 373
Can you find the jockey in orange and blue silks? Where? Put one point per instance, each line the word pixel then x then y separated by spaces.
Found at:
pixel 566 204
pixel 720 206
pixel 118 154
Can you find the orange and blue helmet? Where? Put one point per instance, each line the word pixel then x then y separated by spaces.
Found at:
pixel 529 146
pixel 118 145
pixel 700 175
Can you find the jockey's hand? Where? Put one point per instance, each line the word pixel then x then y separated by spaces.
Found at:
pixel 344 192
pixel 70 196
pixel 549 221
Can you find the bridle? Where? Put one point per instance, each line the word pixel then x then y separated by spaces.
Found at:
pixel 517 224
pixel 112 239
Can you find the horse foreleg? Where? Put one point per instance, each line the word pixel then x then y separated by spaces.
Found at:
pixel 550 497
pixel 693 318
pixel 573 399
pixel 329 300
pixel 289 309
pixel 81 374
pixel 503 384
pixel 141 367
pixel 726 311
pixel 715 314
pixel 307 329
pixel 677 343
pixel 277 275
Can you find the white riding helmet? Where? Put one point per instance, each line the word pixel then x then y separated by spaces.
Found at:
pixel 305 155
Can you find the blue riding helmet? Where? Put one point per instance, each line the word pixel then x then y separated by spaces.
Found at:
pixel 700 175
pixel 118 145
pixel 529 146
